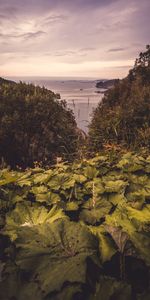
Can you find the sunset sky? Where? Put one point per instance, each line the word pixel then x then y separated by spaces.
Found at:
pixel 85 38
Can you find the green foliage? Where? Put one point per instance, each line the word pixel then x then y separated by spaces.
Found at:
pixel 107 289
pixel 107 246
pixel 123 116
pixel 62 228
pixel 34 125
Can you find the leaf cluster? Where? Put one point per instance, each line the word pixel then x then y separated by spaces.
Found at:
pixel 62 230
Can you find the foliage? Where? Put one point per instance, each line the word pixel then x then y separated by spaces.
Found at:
pixel 123 116
pixel 66 230
pixel 34 125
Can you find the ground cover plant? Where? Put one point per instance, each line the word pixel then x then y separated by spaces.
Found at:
pixel 76 231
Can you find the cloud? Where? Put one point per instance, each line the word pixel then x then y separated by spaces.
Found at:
pixel 26 36
pixel 54 19
pixel 88 49
pixel 72 34
pixel 63 53
pixel 117 49
pixel 32 35
pixel 124 67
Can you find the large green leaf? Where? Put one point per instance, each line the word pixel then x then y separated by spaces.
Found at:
pixel 72 206
pixel 95 208
pixel 42 177
pixel 120 218
pixel 107 247
pixel 91 216
pixel 61 181
pixel 69 292
pixel 141 241
pixel 25 215
pixel 131 163
pixel 15 285
pixel 90 172
pixel 95 184
pixel 98 201
pixel 108 288
pixel 116 198
pixel 142 216
pixel 39 189
pixel 137 199
pixel 129 224
pixel 79 178
pixel 25 179
pixel 115 186
pixel 43 194
pixel 55 253
pixel 119 236
pixel 7 177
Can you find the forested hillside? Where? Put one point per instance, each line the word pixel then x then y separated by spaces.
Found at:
pixel 123 116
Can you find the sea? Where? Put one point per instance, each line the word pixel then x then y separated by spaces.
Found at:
pixel 81 95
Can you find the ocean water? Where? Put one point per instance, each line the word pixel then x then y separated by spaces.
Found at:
pixel 81 95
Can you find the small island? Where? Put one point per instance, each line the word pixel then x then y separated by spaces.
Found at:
pixel 106 84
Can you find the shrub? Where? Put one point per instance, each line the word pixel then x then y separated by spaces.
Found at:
pixel 34 125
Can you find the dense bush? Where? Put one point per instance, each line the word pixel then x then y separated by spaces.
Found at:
pixel 34 125
pixel 123 116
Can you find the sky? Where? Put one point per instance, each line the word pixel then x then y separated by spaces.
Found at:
pixel 72 38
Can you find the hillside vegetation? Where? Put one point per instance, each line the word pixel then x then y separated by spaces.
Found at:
pixel 123 116
pixel 34 125
pixel 78 231
pixel 6 81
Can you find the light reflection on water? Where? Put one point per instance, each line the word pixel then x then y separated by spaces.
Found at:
pixel 81 97
pixel 83 112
